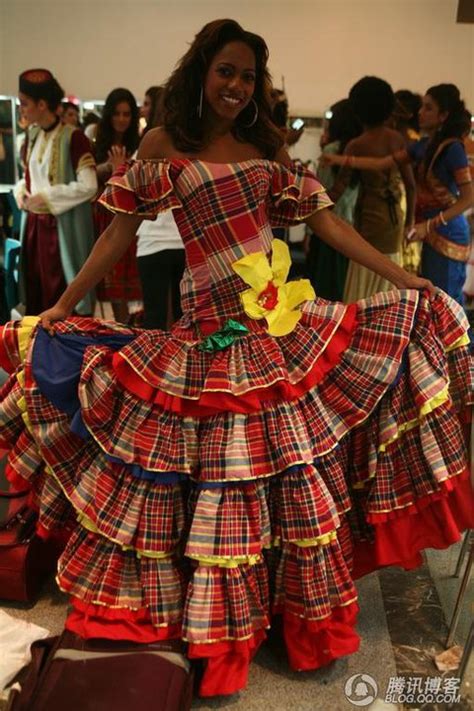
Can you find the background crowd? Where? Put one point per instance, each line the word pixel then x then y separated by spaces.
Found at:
pixel 421 146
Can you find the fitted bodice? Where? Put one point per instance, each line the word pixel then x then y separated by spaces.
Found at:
pixel 223 212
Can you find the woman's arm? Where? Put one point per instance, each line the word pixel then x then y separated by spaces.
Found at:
pixel 104 172
pixel 108 249
pixel 463 203
pixel 341 236
pixel 406 171
pixel 360 162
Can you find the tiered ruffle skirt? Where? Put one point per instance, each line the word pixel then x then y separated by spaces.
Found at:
pixel 206 492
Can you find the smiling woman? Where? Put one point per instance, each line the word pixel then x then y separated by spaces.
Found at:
pixel 230 82
pixel 269 448
pixel 223 75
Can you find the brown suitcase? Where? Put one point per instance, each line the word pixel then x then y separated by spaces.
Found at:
pixel 25 559
pixel 68 672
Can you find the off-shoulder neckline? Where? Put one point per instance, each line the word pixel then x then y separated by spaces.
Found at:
pixel 208 162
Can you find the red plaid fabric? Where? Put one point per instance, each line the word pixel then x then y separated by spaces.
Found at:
pixel 352 447
pixel 122 283
pixel 99 571
pixel 223 212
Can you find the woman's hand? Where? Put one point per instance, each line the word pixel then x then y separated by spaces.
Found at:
pixel 411 281
pixel 34 202
pixel 117 156
pixel 50 316
pixel 417 233
pixel 409 233
pixel 332 159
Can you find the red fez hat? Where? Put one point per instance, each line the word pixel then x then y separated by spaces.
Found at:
pixel 37 82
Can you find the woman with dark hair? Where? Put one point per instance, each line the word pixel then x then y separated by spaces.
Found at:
pixel 55 194
pixel 150 109
pixel 405 114
pixel 405 120
pixel 378 214
pixel 160 252
pixel 184 99
pixel 266 450
pixel 70 114
pixel 116 140
pixel 327 268
pixel 444 187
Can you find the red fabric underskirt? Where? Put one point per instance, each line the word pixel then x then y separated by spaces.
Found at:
pixel 434 521
pixel 89 620
pixel 315 643
pixel 227 664
pixel 5 361
pixel 212 402
pixel 310 643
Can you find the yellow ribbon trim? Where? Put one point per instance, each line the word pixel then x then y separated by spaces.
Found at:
pixel 234 562
pixel 322 540
pixel 224 562
pixel 89 525
pixel 430 405
pixel 464 340
pixel 269 297
pixel 28 324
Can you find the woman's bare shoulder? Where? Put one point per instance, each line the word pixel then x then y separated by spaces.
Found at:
pixel 156 143
pixel 282 156
pixel 395 138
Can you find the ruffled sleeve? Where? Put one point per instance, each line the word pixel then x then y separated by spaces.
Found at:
pixel 141 187
pixel 295 195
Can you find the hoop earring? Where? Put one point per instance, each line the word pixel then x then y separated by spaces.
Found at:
pixel 254 120
pixel 201 99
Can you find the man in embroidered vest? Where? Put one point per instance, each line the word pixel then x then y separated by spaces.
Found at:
pixel 56 192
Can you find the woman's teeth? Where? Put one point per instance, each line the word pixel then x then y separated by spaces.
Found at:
pixel 231 100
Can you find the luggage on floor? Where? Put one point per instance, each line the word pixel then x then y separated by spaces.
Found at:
pixel 68 672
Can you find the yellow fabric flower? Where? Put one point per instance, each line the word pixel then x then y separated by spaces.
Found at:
pixel 269 296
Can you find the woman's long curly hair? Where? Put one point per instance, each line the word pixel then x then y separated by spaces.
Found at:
pixel 448 99
pixel 105 137
pixel 183 89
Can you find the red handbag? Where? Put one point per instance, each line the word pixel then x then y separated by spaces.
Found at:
pixel 25 559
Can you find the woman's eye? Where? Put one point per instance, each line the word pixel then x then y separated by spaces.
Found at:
pixel 225 71
pixel 249 78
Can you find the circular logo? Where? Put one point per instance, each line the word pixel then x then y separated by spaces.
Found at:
pixel 361 689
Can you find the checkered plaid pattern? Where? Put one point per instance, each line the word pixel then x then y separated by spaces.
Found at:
pixel 133 512
pixel 99 571
pixel 286 471
pixel 310 582
pixel 11 422
pixel 175 365
pixel 223 212
pixel 414 465
pixel 226 603
pixel 9 354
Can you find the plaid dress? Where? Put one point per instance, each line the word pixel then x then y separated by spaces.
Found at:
pixel 213 489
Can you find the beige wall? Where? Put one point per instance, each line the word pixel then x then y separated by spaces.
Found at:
pixel 321 47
